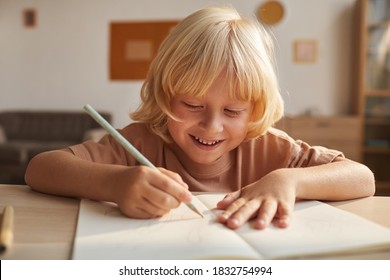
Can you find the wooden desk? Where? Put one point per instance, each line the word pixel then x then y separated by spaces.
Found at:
pixel 45 225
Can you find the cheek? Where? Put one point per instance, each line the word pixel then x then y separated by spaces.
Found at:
pixel 180 116
pixel 171 125
pixel 176 128
pixel 239 128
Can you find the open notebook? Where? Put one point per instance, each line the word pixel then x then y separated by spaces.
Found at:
pixel 316 229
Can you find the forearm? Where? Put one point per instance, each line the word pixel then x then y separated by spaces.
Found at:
pixel 338 180
pixel 61 173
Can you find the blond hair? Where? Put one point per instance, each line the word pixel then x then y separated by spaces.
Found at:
pixel 196 52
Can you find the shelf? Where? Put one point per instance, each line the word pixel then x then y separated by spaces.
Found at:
pixel 373 89
pixel 371 120
pixel 377 92
pixel 382 188
pixel 377 150
pixel 378 24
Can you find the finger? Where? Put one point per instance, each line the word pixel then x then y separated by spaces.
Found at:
pixel 242 215
pixel 170 186
pixel 174 176
pixel 158 200
pixel 231 209
pixel 266 214
pixel 144 211
pixel 282 222
pixel 158 205
pixel 148 203
pixel 283 216
pixel 228 199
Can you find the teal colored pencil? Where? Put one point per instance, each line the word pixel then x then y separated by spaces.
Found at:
pixel 126 144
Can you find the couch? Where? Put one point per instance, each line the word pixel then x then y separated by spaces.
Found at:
pixel 24 134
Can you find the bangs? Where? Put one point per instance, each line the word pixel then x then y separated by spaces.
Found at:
pixel 214 54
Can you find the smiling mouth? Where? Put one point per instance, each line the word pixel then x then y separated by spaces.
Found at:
pixel 206 142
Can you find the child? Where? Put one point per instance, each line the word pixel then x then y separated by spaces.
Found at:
pixel 208 104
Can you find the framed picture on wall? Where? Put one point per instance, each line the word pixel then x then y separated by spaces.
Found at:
pixel 133 45
pixel 305 51
pixel 29 18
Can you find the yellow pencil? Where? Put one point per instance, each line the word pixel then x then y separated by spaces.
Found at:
pixel 6 231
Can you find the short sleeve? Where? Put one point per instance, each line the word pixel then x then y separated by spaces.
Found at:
pixel 304 155
pixel 107 150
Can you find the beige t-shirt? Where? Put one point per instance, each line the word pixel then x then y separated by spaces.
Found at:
pixel 244 165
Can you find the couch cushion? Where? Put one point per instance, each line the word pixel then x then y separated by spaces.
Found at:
pixel 47 125
pixel 3 138
pixel 21 152
pixel 12 155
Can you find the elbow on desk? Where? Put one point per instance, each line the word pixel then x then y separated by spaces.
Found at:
pixel 361 179
pixel 39 170
pixel 32 172
pixel 369 181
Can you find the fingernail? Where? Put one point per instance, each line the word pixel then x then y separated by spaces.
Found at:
pixel 219 204
pixel 260 224
pixel 283 223
pixel 187 196
pixel 234 222
pixel 223 217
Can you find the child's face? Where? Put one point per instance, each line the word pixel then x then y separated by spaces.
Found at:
pixel 210 126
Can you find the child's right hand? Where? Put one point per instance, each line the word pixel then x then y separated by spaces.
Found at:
pixel 147 193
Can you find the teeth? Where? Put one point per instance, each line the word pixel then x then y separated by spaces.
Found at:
pixel 204 142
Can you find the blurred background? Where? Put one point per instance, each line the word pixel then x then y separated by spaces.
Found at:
pixel 332 57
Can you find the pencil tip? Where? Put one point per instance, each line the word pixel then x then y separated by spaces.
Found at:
pixel 200 214
pixel 193 208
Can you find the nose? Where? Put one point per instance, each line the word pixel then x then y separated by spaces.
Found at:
pixel 212 123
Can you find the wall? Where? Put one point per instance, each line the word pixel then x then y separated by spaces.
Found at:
pixel 63 62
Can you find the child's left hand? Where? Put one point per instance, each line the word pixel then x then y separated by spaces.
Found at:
pixel 271 199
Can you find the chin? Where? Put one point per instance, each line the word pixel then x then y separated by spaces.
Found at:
pixel 203 160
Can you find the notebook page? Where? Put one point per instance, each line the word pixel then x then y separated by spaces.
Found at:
pixel 104 233
pixel 317 229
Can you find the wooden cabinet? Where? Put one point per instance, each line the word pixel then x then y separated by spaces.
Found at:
pixel 373 80
pixel 335 132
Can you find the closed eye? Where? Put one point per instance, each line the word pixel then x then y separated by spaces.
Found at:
pixel 193 107
pixel 233 113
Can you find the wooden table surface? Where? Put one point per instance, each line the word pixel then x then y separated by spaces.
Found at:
pixel 45 225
